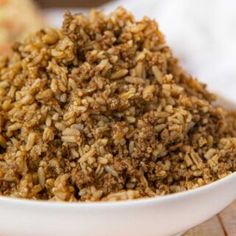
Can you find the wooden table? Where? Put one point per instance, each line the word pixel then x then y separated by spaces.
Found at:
pixel 71 3
pixel 223 224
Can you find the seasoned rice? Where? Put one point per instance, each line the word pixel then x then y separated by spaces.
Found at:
pixel 101 110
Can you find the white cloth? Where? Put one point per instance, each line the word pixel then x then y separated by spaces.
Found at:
pixel 202 33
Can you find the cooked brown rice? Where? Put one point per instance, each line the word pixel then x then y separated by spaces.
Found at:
pixel 101 110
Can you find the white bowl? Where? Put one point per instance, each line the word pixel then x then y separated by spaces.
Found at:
pixel 160 216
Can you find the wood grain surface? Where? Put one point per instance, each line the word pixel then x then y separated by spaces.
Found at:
pixel 223 224
pixel 70 3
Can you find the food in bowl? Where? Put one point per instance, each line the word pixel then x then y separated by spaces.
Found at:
pixel 101 110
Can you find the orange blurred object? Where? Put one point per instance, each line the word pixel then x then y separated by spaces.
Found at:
pixel 17 19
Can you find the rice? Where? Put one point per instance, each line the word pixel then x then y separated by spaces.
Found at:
pixel 100 110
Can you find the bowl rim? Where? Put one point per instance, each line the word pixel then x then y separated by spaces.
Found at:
pixel 117 204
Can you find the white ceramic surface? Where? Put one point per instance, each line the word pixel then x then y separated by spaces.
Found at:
pixel 161 216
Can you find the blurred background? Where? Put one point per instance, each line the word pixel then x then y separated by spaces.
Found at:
pixel 201 33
